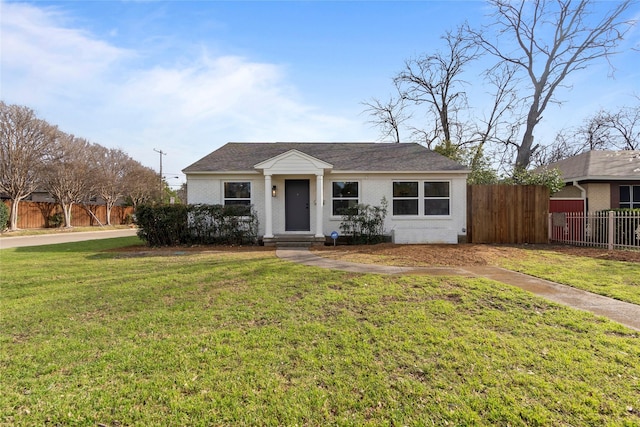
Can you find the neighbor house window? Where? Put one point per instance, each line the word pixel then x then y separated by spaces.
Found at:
pixel 344 194
pixel 405 198
pixel 437 198
pixel 237 193
pixel 630 196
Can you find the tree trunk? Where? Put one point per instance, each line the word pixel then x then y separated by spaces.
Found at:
pixel 15 203
pixel 66 209
pixel 526 146
pixel 108 207
pixel 524 150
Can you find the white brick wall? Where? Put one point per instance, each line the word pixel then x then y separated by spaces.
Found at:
pixel 420 229
pixel 203 189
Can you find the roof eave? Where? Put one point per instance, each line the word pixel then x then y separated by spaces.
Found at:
pixel 335 172
pixel 408 172
pixel 219 172
pixel 602 178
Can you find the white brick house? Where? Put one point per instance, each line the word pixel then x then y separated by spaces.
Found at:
pixel 301 188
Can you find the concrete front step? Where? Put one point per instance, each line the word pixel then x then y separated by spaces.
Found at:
pixel 293 240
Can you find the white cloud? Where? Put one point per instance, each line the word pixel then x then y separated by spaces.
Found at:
pixel 37 49
pixel 88 87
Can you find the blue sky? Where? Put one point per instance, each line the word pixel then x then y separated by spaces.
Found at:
pixel 188 76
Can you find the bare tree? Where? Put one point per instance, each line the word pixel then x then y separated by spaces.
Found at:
pixel 25 143
pixel 112 166
pixel 624 128
pixel 497 126
pixel 388 116
pixel 553 38
pixel 436 81
pixel 453 128
pixel 69 177
pixel 603 130
pixel 141 184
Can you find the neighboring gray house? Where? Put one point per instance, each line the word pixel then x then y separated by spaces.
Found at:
pixel 598 180
pixel 300 189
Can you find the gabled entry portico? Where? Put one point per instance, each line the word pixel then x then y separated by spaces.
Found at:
pixel 296 172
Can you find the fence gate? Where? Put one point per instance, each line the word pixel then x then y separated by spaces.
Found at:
pixel 513 214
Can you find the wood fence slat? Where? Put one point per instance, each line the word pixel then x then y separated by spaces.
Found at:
pixel 36 214
pixel 507 214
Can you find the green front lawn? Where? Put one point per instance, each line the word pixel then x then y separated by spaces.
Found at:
pixel 615 279
pixel 94 337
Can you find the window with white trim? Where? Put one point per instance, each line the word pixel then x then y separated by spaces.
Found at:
pixel 344 194
pixel 437 198
pixel 237 193
pixel 405 198
pixel 427 198
pixel 630 196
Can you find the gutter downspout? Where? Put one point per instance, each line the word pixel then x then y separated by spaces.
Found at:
pixel 583 193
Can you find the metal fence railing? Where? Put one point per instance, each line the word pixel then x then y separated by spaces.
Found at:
pixel 607 229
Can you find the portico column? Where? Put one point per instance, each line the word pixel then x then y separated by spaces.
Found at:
pixel 268 207
pixel 319 199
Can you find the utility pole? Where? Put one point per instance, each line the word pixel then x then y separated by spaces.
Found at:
pixel 162 153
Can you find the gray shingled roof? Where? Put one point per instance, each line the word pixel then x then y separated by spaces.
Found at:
pixel 351 156
pixel 600 165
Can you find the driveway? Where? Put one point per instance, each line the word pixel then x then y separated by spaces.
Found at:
pixel 65 237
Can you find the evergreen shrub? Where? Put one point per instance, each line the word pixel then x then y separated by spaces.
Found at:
pixel 4 216
pixel 171 225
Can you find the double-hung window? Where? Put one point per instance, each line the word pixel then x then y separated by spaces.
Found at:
pixel 344 195
pixel 237 193
pixel 405 198
pixel 630 196
pixel 434 196
pixel 437 198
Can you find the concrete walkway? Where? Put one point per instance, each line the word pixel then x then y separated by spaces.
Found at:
pixel 622 312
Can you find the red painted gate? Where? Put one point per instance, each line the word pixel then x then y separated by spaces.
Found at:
pixel 563 227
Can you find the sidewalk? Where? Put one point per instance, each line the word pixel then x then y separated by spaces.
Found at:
pixel 622 312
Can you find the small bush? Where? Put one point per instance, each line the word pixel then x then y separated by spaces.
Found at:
pixel 172 225
pixel 4 216
pixel 56 220
pixel 164 225
pixel 365 223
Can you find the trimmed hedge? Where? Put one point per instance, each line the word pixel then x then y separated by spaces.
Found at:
pixel 171 225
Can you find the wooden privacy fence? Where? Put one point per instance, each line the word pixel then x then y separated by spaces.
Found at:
pixel 507 214
pixel 39 214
